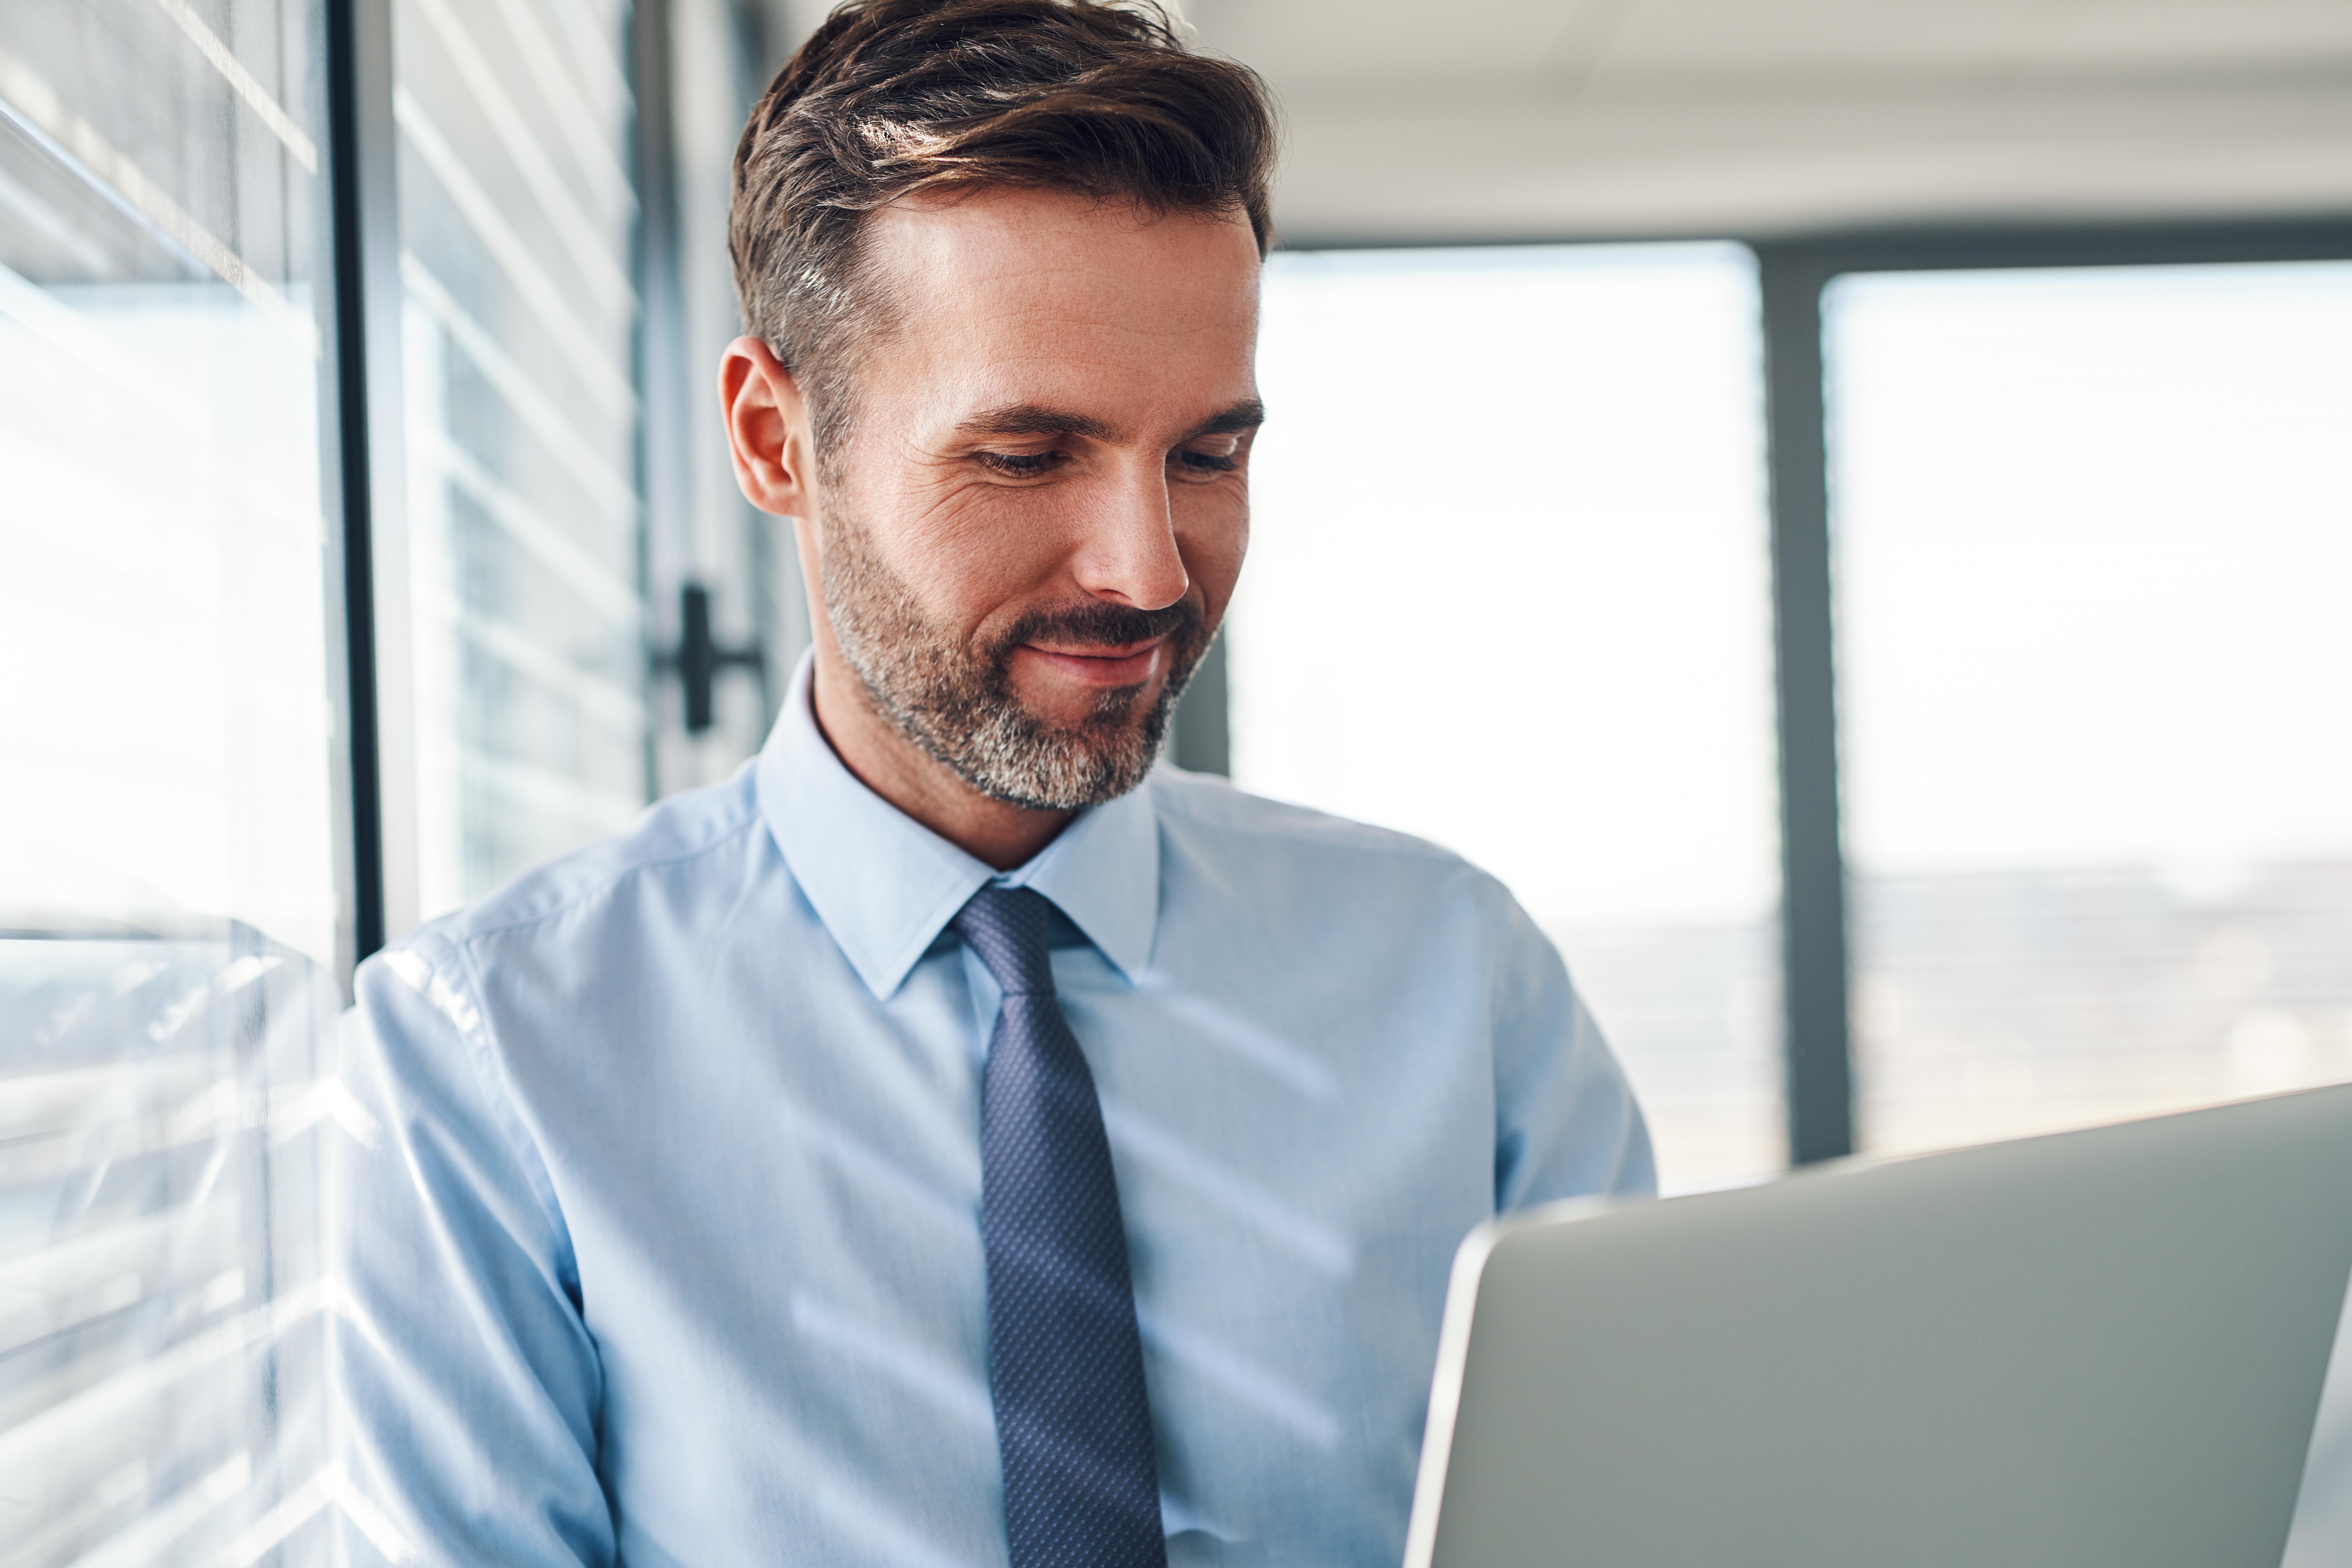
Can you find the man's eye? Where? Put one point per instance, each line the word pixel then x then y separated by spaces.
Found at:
pixel 1206 463
pixel 1021 464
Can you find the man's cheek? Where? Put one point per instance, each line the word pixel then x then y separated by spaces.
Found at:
pixel 946 546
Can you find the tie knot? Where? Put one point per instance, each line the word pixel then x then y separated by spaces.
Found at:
pixel 1010 928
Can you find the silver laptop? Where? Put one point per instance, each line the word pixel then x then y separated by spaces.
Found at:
pixel 2097 1350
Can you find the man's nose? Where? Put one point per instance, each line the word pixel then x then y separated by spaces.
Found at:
pixel 1129 553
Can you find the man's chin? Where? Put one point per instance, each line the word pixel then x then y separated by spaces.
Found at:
pixel 1098 744
pixel 1067 766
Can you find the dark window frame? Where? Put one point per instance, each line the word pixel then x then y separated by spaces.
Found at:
pixel 1816 928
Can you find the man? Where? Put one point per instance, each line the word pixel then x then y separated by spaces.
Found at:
pixel 953 1140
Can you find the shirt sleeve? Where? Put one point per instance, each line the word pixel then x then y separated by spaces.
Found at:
pixel 1567 1124
pixel 469 1384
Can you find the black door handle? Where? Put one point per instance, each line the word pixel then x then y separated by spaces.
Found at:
pixel 698 658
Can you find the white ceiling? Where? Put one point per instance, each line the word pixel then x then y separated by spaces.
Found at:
pixel 1509 118
pixel 1559 44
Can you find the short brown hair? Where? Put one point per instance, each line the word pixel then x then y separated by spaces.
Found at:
pixel 892 97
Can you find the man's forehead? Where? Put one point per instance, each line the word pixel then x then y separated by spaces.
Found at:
pixel 1032 312
pixel 1051 260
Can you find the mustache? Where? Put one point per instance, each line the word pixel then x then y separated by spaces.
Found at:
pixel 1100 624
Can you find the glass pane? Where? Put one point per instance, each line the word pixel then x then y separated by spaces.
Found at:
pixel 516 216
pixel 1507 591
pixel 169 915
pixel 2094 575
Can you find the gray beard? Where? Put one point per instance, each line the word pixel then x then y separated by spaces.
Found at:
pixel 958 704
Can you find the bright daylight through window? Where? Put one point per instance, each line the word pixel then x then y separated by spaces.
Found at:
pixel 1508 590
pixel 169 918
pixel 2094 541
pixel 516 214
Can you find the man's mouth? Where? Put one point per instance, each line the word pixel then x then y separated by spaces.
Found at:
pixel 1098 665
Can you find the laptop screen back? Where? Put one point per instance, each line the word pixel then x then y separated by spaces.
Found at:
pixel 2099 1350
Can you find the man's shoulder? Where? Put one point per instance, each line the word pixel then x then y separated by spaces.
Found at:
pixel 1211 817
pixel 670 842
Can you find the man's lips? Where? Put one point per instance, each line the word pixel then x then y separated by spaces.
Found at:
pixel 1125 664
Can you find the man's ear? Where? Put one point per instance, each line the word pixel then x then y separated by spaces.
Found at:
pixel 766 429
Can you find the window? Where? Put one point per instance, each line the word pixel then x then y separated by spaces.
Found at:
pixel 532 723
pixel 1507 590
pixel 170 911
pixel 2093 545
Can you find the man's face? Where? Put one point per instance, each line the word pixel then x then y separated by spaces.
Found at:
pixel 1037 518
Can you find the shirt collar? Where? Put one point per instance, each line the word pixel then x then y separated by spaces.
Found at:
pixel 886 886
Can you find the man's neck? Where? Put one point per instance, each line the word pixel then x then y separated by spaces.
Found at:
pixel 886 761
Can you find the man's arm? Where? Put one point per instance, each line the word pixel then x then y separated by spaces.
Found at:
pixel 470 1389
pixel 1566 1121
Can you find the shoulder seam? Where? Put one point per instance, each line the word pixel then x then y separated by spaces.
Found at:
pixel 1384 838
pixel 718 841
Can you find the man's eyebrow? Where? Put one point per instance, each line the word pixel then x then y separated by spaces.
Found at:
pixel 1039 419
pixel 1246 415
pixel 1033 419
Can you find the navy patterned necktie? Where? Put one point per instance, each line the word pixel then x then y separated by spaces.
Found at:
pixel 1066 1367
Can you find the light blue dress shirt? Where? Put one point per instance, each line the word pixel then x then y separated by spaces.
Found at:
pixel 667 1250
